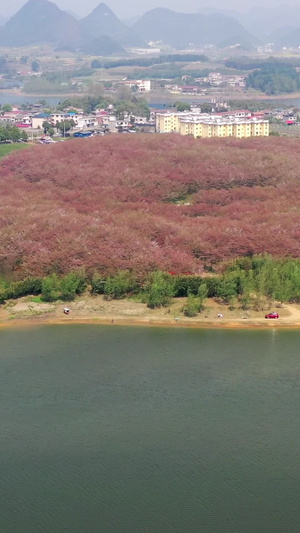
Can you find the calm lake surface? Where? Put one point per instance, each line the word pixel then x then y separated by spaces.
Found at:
pixel 16 98
pixel 149 430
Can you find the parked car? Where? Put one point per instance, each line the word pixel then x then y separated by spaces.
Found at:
pixel 272 315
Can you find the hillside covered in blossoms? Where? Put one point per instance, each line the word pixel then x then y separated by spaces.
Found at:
pixel 147 202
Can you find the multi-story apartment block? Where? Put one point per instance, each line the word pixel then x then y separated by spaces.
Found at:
pixel 207 126
pixel 143 86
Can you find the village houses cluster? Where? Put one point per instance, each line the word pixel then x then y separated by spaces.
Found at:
pixel 193 122
pixel 102 120
pixel 205 84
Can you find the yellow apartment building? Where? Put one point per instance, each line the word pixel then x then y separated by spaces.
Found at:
pixel 208 126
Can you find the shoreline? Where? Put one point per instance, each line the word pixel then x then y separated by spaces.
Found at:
pixel 150 322
pixel 86 309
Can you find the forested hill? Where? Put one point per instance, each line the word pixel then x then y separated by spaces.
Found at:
pixel 275 78
pixel 147 202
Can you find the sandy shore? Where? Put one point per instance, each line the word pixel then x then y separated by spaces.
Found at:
pixel 27 312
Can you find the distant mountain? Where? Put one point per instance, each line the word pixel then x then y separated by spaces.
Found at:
pixel 131 21
pixel 182 29
pixel 264 21
pixel 103 46
pixel 237 41
pixel 287 36
pixel 40 21
pixel 103 21
pixel 74 15
pixel 3 20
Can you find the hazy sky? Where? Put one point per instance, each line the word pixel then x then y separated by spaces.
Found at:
pixel 130 8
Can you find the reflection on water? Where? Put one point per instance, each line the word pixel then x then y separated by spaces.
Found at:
pixel 149 430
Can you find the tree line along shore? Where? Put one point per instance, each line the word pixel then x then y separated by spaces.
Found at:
pixel 249 283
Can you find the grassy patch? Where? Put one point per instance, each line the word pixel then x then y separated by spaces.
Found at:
pixel 6 149
pixel 36 299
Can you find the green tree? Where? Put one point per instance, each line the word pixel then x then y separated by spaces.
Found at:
pixel 24 136
pixel 182 106
pixel 119 286
pixel 246 286
pixel 227 289
pixel 281 286
pixel 72 284
pixel 46 126
pixel 159 290
pixel 14 134
pixel 6 108
pixel 206 107
pixel 191 307
pixel 202 294
pixel 10 133
pixel 98 283
pixel 35 66
pixel 51 288
pixel 65 125
pixel 3 134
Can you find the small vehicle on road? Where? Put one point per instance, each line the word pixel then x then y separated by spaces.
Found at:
pixel 272 315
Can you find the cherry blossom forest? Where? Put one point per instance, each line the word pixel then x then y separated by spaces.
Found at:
pixel 147 202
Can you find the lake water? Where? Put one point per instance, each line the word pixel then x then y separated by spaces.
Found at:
pixel 164 102
pixel 18 99
pixel 149 430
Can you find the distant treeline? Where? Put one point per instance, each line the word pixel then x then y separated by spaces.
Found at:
pixel 133 105
pixel 56 81
pixel 275 78
pixel 149 61
pixel 254 105
pixel 248 281
pixel 250 63
pixel 167 71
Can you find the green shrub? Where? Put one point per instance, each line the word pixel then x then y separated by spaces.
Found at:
pixel 72 284
pixel 202 295
pixel 36 299
pixel 159 290
pixel 30 285
pixel 212 285
pixel 119 286
pixel 186 284
pixel 191 307
pixel 98 283
pixel 2 296
pixel 51 288
pixel 227 289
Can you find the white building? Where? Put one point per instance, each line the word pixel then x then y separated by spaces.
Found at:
pixel 143 86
